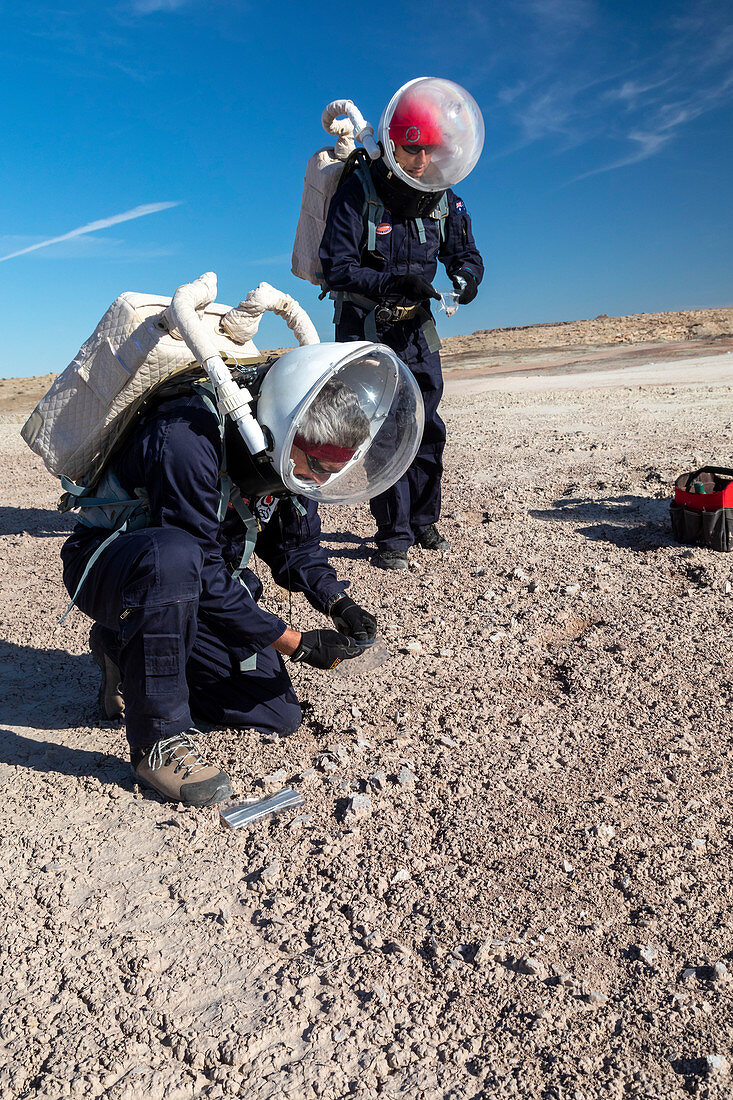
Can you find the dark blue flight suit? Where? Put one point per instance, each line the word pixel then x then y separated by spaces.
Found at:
pixel 186 634
pixel 413 503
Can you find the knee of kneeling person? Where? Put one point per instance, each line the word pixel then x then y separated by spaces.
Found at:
pixel 291 716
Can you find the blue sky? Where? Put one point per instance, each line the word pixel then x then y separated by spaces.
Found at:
pixel 180 130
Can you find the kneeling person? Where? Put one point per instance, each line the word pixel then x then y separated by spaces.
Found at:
pixel 176 618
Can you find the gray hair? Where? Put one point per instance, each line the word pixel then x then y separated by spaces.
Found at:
pixel 336 417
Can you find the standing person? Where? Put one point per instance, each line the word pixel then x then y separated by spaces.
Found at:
pixel 388 224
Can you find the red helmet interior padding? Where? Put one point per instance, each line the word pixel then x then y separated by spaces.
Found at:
pixel 416 121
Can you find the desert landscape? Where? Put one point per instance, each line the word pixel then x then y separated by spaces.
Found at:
pixel 512 875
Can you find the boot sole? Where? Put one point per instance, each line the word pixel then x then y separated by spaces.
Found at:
pixel 221 789
pixel 394 565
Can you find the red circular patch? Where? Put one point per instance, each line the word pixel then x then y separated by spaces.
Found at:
pixel 412 135
pixel 383 228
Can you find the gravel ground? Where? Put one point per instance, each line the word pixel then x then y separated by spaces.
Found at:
pixel 512 873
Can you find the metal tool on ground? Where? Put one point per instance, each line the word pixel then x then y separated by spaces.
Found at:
pixel 247 812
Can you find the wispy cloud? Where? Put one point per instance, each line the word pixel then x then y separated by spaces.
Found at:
pixel 633 92
pixel 568 89
pixel 575 13
pixel 547 112
pixel 97 247
pixel 93 227
pixel 284 258
pixel 643 145
pixel 150 7
pixel 664 120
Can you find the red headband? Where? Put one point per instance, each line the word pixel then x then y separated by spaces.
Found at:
pixel 327 451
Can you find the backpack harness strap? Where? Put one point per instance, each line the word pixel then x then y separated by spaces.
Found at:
pixel 228 492
pixel 110 508
pixel 373 209
pixel 103 546
pixel 440 215
pixel 249 522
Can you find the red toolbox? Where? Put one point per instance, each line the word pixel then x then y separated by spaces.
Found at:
pixel 702 509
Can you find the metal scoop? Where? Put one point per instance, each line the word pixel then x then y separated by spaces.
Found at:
pixel 254 809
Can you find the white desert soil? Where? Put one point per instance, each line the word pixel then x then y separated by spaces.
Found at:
pixel 534 898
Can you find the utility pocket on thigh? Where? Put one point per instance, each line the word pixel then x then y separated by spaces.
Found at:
pixel 162 663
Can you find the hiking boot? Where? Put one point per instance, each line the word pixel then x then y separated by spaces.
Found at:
pixel 110 692
pixel 430 538
pixel 391 559
pixel 173 767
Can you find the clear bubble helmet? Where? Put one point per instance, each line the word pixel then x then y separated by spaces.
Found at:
pixel 441 115
pixel 389 413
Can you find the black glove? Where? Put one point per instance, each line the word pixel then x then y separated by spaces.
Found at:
pixel 325 648
pixel 414 288
pixel 353 621
pixel 466 284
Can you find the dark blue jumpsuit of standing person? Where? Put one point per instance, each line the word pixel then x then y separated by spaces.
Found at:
pixel 186 634
pixel 399 273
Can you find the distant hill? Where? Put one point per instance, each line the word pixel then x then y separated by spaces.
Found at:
pixel 686 324
pixel 18 395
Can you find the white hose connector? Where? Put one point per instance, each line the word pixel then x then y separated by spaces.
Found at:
pixel 242 322
pixel 355 122
pixel 332 123
pixel 341 129
pixel 234 400
pixel 181 315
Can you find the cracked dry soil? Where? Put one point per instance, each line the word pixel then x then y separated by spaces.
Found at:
pixel 534 898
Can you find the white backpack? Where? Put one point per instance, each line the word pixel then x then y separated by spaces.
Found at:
pixel 134 350
pixel 322 177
